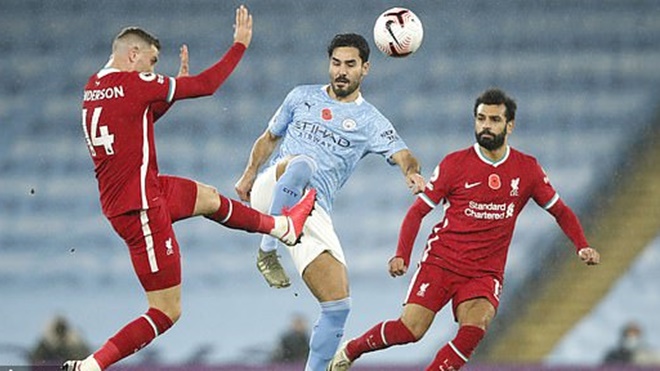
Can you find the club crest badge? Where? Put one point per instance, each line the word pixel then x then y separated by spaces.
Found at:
pixel 515 186
pixel 349 124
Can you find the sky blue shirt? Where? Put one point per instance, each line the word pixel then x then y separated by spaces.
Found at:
pixel 336 135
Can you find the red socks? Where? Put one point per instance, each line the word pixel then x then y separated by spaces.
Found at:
pixel 235 215
pixel 381 336
pixel 133 337
pixel 457 352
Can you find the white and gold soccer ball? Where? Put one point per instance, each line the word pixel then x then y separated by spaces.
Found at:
pixel 398 32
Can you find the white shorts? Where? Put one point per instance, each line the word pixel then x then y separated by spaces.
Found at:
pixel 318 233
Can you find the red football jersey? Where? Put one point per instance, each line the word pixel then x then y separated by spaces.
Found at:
pixel 482 200
pixel 118 125
pixel 118 114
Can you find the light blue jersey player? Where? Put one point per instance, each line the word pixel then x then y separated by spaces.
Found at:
pixel 333 136
pixel 322 132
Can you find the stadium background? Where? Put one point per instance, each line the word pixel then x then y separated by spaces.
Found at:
pixel 585 75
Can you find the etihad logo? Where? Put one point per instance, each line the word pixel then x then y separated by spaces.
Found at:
pixel 320 134
pixel 490 211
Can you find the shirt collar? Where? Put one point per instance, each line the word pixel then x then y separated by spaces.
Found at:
pixel 477 150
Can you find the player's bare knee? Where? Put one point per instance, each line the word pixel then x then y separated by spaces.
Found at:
pixel 208 192
pixel 415 325
pixel 175 315
pixel 417 328
pixel 168 302
pixel 207 201
pixel 481 324
pixel 484 321
pixel 171 310
pixel 477 312
pixel 281 166
pixel 477 318
pixel 331 293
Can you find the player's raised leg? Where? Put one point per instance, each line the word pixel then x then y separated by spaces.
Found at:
pixel 288 190
pixel 234 214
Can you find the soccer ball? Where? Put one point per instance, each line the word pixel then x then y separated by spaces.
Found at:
pixel 398 32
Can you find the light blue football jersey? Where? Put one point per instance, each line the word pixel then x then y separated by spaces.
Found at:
pixel 335 134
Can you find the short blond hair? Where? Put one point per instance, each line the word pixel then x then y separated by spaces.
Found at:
pixel 136 32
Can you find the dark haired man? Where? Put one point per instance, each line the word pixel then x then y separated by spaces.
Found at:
pixel 325 130
pixel 483 189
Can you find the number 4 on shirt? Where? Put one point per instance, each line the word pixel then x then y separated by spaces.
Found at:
pixel 105 139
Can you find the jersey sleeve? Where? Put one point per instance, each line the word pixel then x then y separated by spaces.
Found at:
pixel 208 81
pixel 386 141
pixel 153 87
pixel 437 189
pixel 410 229
pixel 284 114
pixel 570 224
pixel 546 197
pixel 543 192
pixel 438 186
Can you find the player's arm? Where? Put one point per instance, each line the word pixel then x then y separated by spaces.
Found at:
pixel 571 226
pixel 261 150
pixel 411 170
pixel 399 264
pixel 208 81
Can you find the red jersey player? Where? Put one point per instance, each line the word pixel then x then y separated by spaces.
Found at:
pixel 482 189
pixel 120 104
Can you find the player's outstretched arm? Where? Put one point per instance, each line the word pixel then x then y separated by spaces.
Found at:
pixel 410 226
pixel 208 81
pixel 411 170
pixel 261 150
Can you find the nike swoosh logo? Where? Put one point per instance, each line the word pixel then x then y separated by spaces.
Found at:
pixel 471 185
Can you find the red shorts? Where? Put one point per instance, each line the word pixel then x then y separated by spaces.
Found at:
pixel 432 287
pixel 180 196
pixel 150 238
